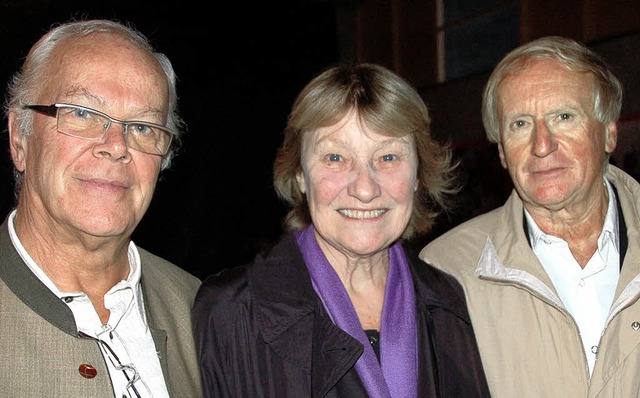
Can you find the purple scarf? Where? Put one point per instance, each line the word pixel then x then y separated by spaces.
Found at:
pixel 396 376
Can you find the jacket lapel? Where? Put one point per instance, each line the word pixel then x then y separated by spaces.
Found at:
pixel 28 288
pixel 293 321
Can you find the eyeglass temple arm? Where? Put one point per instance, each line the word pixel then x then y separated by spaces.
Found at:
pixel 46 109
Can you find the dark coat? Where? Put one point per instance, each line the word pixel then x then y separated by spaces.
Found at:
pixel 262 331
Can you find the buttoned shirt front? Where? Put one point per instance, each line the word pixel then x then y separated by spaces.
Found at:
pixel 126 331
pixel 587 293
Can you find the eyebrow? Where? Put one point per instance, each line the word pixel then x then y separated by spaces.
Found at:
pixel 78 92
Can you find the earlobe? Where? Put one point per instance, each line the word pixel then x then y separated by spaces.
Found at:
pixel 301 184
pixel 17 143
pixel 501 154
pixel 611 137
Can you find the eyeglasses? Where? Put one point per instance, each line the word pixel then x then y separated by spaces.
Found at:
pixel 90 124
pixel 130 372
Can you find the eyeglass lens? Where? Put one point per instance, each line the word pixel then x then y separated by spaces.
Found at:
pixel 84 123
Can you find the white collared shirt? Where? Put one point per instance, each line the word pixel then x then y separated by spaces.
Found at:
pixel 586 293
pixel 126 332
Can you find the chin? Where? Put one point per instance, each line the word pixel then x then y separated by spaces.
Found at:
pixel 103 226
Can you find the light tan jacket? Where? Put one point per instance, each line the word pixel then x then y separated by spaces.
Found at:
pixel 530 345
pixel 41 353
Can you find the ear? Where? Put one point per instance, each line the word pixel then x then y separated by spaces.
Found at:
pixel 301 182
pixel 611 137
pixel 17 143
pixel 501 154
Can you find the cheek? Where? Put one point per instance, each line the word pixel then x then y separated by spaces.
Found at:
pixel 514 153
pixel 45 157
pixel 323 189
pixel 399 186
pixel 147 171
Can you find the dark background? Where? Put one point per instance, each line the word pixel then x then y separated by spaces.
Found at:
pixel 239 69
pixel 240 66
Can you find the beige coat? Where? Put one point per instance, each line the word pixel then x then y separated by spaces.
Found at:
pixel 41 352
pixel 529 344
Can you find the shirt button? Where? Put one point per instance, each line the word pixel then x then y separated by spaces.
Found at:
pixel 87 371
pixel 594 349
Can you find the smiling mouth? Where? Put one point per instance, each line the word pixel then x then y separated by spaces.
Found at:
pixel 362 214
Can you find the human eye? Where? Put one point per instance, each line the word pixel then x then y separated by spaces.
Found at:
pixel 141 129
pixel 565 117
pixel 564 121
pixel 75 113
pixel 518 124
pixel 333 157
pixel 82 114
pixel 80 121
pixel 388 161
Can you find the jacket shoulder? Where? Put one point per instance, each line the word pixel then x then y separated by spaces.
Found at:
pixel 161 276
pixel 221 290
pixel 435 286
pixel 460 248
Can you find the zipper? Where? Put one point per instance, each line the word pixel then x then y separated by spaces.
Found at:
pixel 555 305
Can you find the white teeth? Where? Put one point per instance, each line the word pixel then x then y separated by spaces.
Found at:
pixel 362 214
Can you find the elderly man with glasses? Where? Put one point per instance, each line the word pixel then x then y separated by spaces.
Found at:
pixel 84 312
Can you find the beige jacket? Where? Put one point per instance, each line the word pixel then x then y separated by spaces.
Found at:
pixel 39 347
pixel 529 344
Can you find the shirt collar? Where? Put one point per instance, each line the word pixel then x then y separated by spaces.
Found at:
pixel 111 297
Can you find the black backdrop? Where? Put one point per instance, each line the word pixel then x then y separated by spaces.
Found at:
pixel 239 69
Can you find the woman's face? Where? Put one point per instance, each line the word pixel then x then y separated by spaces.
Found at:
pixel 359 186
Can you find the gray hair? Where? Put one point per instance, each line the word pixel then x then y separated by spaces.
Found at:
pixel 607 96
pixel 24 86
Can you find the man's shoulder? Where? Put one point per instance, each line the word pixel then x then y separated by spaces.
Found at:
pixel 476 228
pixel 461 246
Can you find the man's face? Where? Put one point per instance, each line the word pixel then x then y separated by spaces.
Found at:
pixel 74 187
pixel 551 143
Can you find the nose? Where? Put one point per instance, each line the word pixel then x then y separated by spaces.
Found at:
pixel 544 141
pixel 113 143
pixel 364 185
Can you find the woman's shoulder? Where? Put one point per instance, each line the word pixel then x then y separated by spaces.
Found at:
pixel 225 285
pixel 435 285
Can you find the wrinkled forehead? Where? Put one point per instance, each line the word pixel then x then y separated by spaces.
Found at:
pixel 539 77
pixel 547 69
pixel 106 64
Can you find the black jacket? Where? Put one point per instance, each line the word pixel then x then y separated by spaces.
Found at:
pixel 261 331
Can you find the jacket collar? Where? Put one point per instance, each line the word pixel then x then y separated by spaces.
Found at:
pixel 284 294
pixel 29 289
pixel 290 311
pixel 514 249
pixel 508 241
pixel 433 288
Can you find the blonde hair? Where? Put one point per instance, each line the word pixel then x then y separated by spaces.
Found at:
pixel 387 104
